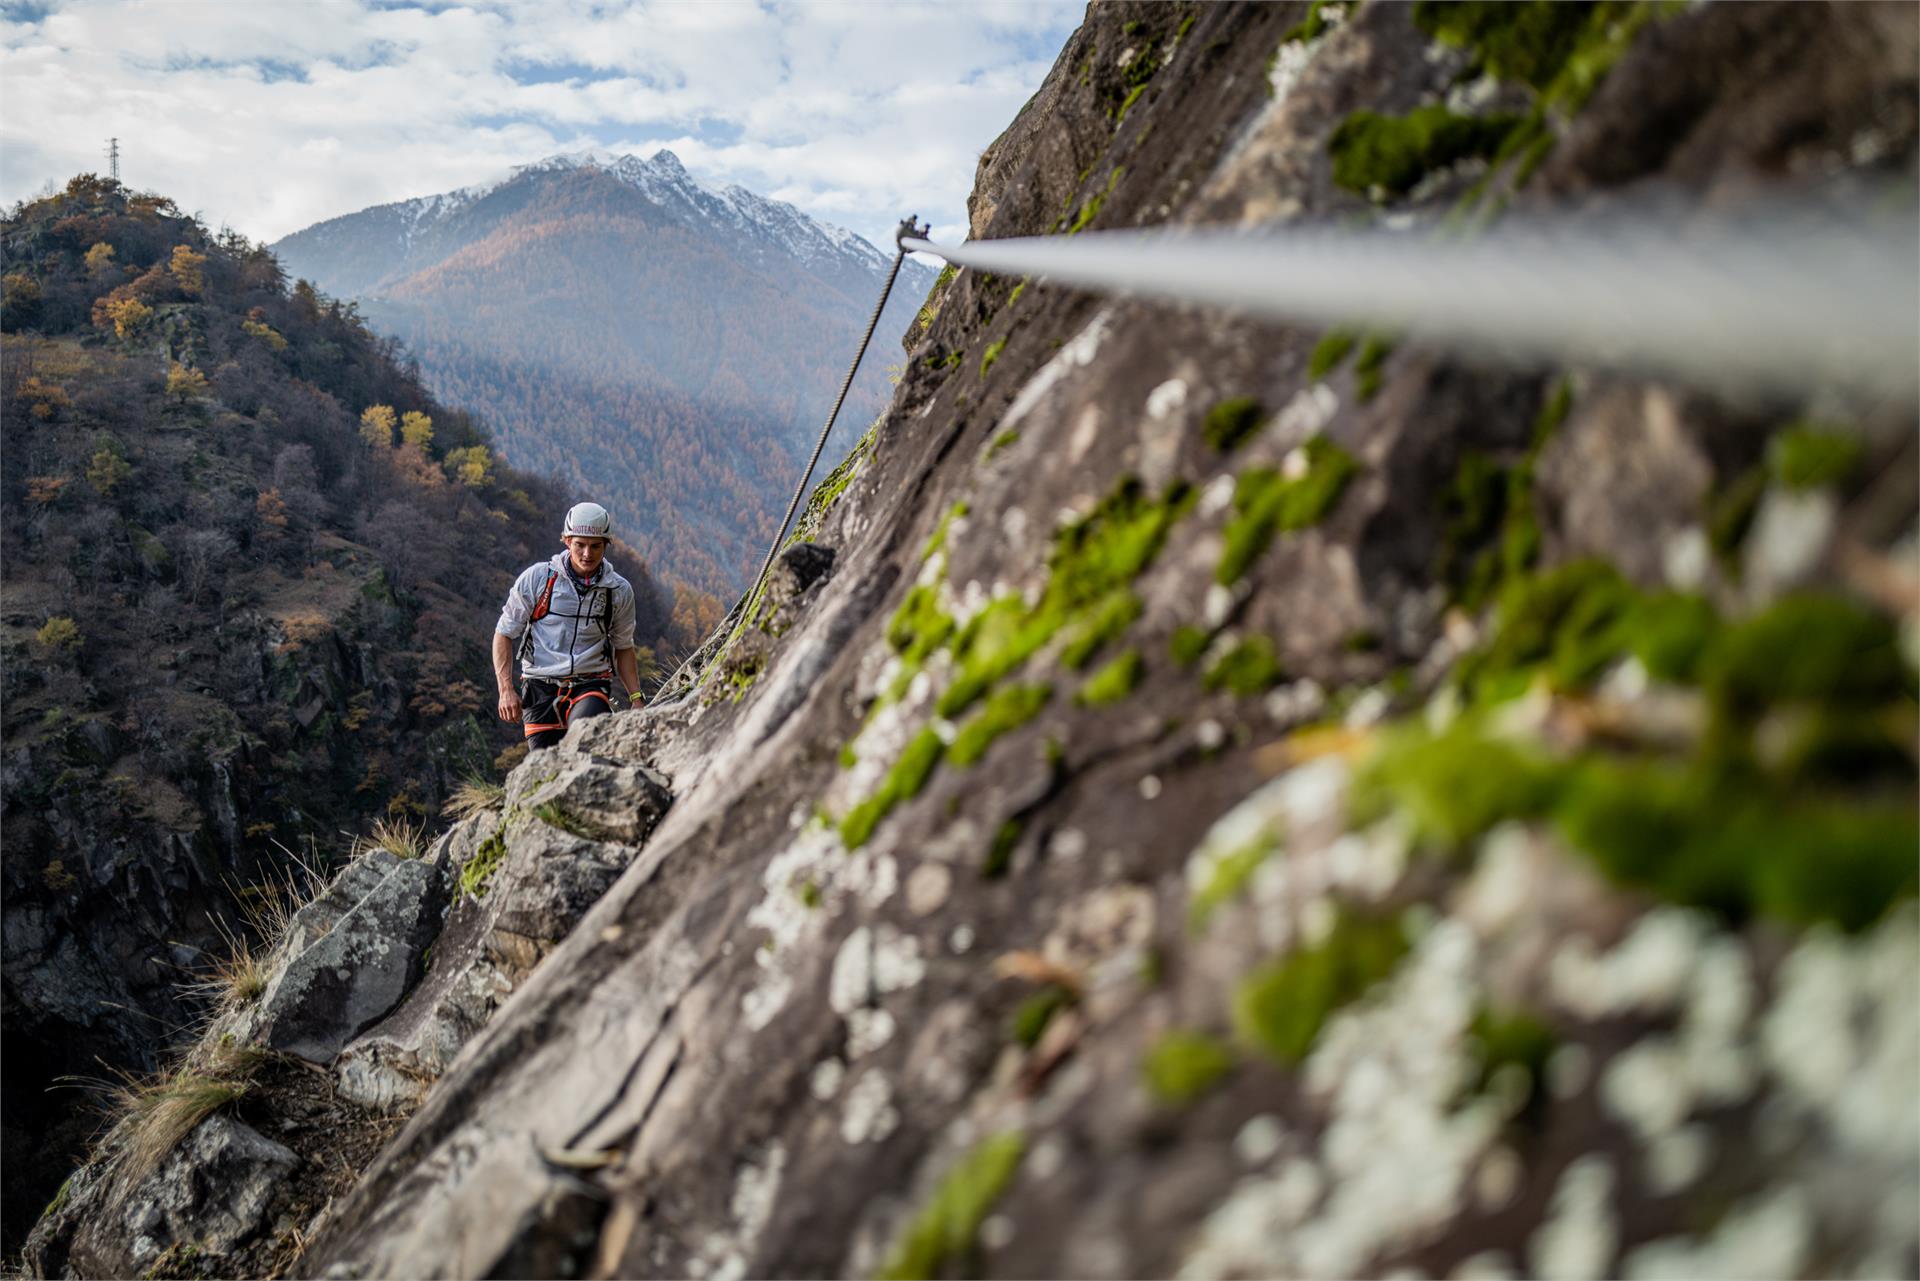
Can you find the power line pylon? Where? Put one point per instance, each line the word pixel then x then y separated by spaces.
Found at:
pixel 113 158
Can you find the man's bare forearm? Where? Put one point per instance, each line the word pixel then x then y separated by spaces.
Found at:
pixel 627 662
pixel 502 663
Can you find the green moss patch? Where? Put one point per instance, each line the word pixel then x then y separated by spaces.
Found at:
pixel 992 354
pixel 1090 209
pixel 552 815
pixel 1007 709
pixel 1230 422
pixel 1088 594
pixel 1313 26
pixel 1228 876
pixel 1565 622
pixel 1187 644
pixel 477 872
pixel 1453 786
pixel 1183 1065
pixel 1249 668
pixel 1000 854
pixel 1102 623
pixel 1114 682
pixel 1729 515
pixel 1808 647
pixel 1330 352
pixel 1563 50
pixel 1491 534
pixel 1367 368
pixel 1499 1039
pixel 1265 504
pixel 1031 1016
pixel 1741 850
pixel 937 540
pixel 1809 456
pixel 942 1236
pixel 1700 834
pixel 1391 154
pixel 1280 1007
pixel 903 782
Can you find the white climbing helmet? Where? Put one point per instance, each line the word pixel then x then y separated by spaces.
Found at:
pixel 587 520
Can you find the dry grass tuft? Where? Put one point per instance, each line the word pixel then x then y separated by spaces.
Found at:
pixel 269 905
pixel 157 1115
pixel 400 837
pixel 475 795
pixel 237 981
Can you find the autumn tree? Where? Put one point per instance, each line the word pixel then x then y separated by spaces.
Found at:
pixel 183 382
pixel 107 469
pixel 270 514
pixel 256 326
pixel 44 491
pixel 57 634
pixel 376 425
pixel 44 399
pixel 416 428
pixel 127 315
pixel 100 260
pixel 189 270
pixel 19 299
pixel 472 466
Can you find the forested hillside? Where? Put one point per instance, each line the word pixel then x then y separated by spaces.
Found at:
pixel 251 567
pixel 667 347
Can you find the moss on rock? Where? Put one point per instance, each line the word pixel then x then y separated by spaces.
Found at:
pixel 1183 1065
pixel 1230 422
pixel 1332 349
pixel 1031 1016
pixel 1007 709
pixel 1280 1007
pixel 1391 154
pixel 942 1235
pixel 1266 503
pixel 1810 455
pixel 477 872
pixel 1114 682
pixel 903 782
pixel 1249 668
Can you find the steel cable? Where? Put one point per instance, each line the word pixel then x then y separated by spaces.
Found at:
pixel 733 615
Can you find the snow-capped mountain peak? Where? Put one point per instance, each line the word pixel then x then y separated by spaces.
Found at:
pixel 364 251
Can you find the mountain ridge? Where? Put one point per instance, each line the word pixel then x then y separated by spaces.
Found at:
pixel 617 309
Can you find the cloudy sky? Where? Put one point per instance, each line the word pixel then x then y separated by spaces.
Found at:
pixel 270 115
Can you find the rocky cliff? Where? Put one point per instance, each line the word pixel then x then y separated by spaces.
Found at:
pixel 1233 801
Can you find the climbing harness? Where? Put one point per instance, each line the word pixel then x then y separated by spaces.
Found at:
pixel 1781 299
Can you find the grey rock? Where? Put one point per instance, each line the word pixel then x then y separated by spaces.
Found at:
pixel 548 877
pixel 213 1192
pixel 360 969
pixel 797 569
pixel 594 796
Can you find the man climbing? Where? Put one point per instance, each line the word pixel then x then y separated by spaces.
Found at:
pixel 573 618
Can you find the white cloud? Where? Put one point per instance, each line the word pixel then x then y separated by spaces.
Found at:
pixel 270 116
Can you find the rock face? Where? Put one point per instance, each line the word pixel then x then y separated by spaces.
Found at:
pixel 361 965
pixel 1246 802
pixel 212 1192
pixel 573 823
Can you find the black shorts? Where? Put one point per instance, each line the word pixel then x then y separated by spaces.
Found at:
pixel 547 707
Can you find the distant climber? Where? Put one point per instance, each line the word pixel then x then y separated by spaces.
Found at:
pixel 573 619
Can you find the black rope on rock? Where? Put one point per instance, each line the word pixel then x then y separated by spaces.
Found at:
pixel 697 662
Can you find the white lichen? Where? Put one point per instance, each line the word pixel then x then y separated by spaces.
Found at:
pixel 869 1115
